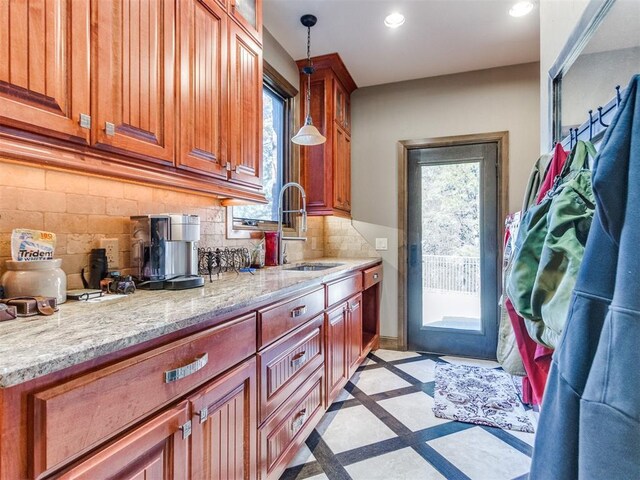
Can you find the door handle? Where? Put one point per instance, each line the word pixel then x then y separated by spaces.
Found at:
pixel 298 359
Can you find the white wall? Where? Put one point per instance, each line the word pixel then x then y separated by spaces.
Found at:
pixel 492 100
pixel 276 56
pixel 558 18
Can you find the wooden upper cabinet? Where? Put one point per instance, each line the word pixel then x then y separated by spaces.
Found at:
pixel 248 13
pixel 341 170
pixel 134 77
pixel 225 426
pixel 202 86
pixel 44 66
pixel 155 450
pixel 245 108
pixel 326 168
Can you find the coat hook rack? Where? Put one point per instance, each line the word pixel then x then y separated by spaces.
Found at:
pixel 600 118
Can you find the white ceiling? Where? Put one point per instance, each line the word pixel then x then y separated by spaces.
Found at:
pixel 439 37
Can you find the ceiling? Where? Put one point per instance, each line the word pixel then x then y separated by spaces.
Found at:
pixel 439 37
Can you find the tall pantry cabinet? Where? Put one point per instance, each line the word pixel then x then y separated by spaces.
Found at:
pixel 326 168
pixel 167 92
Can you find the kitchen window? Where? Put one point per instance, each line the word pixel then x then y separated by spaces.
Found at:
pixel 278 163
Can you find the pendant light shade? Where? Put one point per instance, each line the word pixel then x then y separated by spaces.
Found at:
pixel 308 134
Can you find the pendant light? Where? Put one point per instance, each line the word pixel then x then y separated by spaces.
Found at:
pixel 308 134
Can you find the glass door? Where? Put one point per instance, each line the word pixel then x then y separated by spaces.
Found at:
pixel 453 250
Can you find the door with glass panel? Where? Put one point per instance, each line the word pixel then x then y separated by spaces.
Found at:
pixel 452 236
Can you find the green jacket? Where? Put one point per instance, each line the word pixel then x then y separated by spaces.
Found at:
pixel 549 250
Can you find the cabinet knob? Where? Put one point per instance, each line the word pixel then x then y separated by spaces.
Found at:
pixel 375 276
pixel 109 128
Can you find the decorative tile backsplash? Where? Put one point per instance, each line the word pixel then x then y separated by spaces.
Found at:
pixel 81 210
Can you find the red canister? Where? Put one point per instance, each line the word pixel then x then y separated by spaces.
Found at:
pixel 271 249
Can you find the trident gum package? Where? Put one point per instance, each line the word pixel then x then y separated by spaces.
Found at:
pixel 32 245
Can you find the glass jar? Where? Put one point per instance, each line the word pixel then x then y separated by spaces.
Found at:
pixel 42 278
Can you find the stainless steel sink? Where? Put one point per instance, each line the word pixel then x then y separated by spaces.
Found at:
pixel 312 267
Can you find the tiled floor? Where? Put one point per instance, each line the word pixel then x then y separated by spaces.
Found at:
pixel 382 427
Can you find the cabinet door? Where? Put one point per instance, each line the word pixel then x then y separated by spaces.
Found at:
pixel 248 13
pixel 156 450
pixel 134 78
pixel 245 97
pixel 341 170
pixel 336 351
pixel 44 66
pixel 354 334
pixel 224 426
pixel 202 43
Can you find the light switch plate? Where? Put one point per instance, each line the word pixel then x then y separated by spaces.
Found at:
pixel 382 244
pixel 111 246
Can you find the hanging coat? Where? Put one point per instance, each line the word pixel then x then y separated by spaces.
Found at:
pixel 590 419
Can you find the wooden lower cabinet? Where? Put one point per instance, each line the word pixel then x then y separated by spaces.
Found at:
pixel 288 428
pixel 336 357
pixel 224 426
pixel 354 333
pixel 156 450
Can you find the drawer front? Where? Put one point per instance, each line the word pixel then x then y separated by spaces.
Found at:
pixel 371 276
pixel 344 288
pixel 281 436
pixel 286 364
pixel 281 318
pixel 79 414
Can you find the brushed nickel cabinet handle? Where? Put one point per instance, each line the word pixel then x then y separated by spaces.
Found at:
pixel 298 420
pixel 354 307
pixel 298 359
pixel 298 311
pixel 375 276
pixel 109 128
pixel 186 370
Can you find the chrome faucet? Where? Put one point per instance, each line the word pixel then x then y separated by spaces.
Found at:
pixel 281 213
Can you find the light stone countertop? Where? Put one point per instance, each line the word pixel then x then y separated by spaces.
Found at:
pixel 35 346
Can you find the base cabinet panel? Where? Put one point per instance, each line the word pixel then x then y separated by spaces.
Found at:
pixel 336 351
pixel 156 450
pixel 286 431
pixel 224 426
pixel 354 332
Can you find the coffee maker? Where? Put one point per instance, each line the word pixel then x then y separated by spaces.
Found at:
pixel 164 251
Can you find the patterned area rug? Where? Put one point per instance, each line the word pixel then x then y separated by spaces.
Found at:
pixel 479 395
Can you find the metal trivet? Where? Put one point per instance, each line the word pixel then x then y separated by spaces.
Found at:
pixel 219 260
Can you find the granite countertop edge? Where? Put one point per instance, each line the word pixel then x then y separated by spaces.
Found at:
pixel 37 346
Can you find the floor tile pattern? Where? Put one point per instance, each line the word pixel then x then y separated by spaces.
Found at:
pixel 382 427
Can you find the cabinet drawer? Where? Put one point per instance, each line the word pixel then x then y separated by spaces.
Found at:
pixel 286 364
pixel 371 276
pixel 77 415
pixel 343 288
pixel 281 436
pixel 283 317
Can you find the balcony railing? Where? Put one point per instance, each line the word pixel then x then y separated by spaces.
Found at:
pixel 448 273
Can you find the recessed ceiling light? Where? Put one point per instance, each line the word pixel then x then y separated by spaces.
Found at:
pixel 520 9
pixel 394 20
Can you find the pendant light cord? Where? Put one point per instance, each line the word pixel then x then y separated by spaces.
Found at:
pixel 308 102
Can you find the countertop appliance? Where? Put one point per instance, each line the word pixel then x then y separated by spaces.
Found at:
pixel 165 252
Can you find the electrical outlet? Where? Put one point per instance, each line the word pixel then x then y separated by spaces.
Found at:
pixel 382 244
pixel 113 255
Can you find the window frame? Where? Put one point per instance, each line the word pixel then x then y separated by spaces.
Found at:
pixel 290 160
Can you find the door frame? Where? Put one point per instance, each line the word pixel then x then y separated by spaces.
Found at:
pixel 403 147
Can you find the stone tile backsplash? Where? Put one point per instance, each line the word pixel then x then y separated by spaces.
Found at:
pixel 81 210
